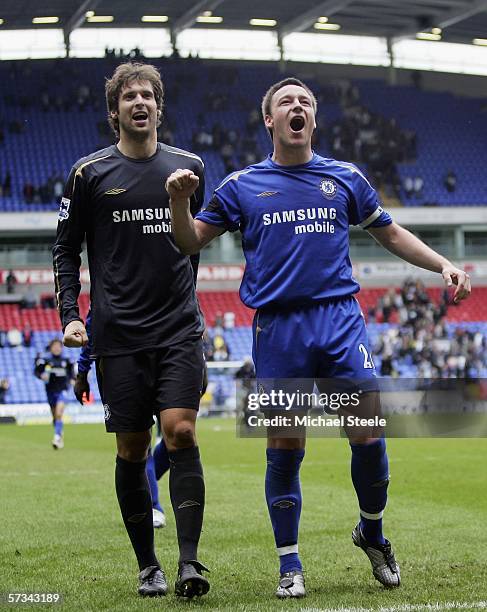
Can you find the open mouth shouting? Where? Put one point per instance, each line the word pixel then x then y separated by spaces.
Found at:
pixel 297 123
pixel 140 118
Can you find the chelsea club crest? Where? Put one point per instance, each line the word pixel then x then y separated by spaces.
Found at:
pixel 328 188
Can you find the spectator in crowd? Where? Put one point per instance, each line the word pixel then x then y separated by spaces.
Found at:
pixel 45 101
pixel 207 346
pixel 57 188
pixel 15 127
pixel 29 299
pixel 220 349
pixel 422 340
pixel 245 378
pixel 167 136
pixel 48 301
pixel 202 140
pixel 253 120
pixel 218 324
pixel 28 192
pixel 14 337
pixel 11 281
pixel 4 387
pixel 7 185
pixel 387 366
pixel 451 181
pixel 413 186
pixel 229 320
pixel 246 371
pixel 27 334
pixel 3 338
pixel 368 138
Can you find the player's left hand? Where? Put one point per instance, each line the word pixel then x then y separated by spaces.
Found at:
pixel 455 276
pixel 182 184
pixel 82 387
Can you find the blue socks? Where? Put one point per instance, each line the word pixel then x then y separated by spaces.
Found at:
pixel 157 466
pixel 58 427
pixel 151 477
pixel 161 459
pixel 370 477
pixel 283 496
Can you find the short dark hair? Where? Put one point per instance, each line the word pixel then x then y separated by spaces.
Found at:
pixel 267 99
pixel 123 75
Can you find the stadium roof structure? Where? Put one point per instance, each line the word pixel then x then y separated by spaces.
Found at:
pixel 454 20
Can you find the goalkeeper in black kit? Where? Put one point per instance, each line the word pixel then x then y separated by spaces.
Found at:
pixel 147 326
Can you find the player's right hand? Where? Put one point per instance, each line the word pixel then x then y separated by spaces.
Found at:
pixel 82 387
pixel 75 335
pixel 182 184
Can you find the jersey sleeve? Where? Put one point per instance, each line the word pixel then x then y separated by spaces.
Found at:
pixel 365 207
pixel 196 204
pixel 71 230
pixel 223 210
pixel 39 366
pixel 69 372
pixel 84 359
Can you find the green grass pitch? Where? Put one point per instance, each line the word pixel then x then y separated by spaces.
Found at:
pixel 61 529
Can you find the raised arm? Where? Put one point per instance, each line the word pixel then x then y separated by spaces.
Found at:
pixel 407 246
pixel 190 235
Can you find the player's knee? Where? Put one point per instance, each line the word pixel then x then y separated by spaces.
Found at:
pixel 366 441
pixel 181 434
pixel 133 447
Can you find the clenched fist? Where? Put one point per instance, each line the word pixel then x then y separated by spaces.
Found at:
pixel 182 184
pixel 75 335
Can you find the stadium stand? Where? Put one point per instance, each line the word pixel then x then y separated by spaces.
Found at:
pixel 64 120
pixel 468 321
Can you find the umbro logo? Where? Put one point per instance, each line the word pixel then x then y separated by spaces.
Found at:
pixel 267 194
pixel 188 504
pixel 283 504
pixel 114 191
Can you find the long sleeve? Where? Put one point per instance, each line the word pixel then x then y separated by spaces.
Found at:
pixel 71 231
pixel 196 205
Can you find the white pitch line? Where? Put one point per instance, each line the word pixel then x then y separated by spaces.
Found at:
pixel 444 605
pixel 50 473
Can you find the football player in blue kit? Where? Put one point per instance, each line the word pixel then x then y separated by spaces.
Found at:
pixel 56 371
pixel 294 210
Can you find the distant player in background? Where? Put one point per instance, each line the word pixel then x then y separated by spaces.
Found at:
pixel 294 210
pixel 157 459
pixel 56 370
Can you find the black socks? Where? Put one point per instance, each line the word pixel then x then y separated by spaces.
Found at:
pixel 187 490
pixel 135 503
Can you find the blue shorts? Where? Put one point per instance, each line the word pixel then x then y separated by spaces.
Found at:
pixel 53 397
pixel 326 340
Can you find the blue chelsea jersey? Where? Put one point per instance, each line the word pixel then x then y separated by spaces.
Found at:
pixel 295 228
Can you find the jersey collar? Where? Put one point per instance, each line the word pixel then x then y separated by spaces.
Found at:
pixel 273 164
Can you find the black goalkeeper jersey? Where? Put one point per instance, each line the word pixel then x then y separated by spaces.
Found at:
pixel 142 288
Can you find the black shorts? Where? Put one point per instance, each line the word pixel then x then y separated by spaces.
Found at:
pixel 135 387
